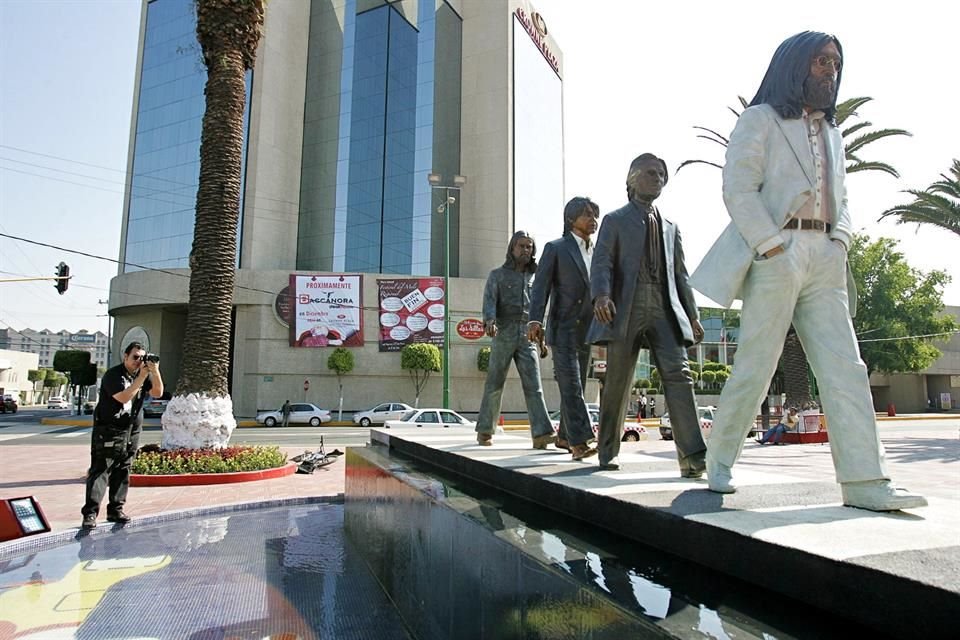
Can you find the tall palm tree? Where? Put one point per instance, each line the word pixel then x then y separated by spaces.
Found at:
pixel 201 413
pixel 793 362
pixel 937 205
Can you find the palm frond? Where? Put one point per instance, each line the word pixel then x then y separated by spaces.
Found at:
pixel 689 162
pixel 719 139
pixel 846 133
pixel 873 136
pixel 872 166
pixel 947 187
pixel 849 108
pixel 930 207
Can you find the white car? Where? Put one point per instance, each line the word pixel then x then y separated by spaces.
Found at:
pixel 706 423
pixel 56 402
pixel 430 418
pixel 632 431
pixel 300 413
pixel 381 413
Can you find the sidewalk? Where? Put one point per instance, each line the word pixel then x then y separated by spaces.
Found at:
pixel 54 475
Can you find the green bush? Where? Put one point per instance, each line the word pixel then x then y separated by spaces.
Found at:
pixel 151 460
pixel 713 366
pixel 483 359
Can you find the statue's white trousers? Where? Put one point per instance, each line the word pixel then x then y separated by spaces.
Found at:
pixel 806 285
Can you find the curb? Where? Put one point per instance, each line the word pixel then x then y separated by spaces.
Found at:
pixel 192 479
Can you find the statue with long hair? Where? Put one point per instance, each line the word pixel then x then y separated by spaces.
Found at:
pixel 784 254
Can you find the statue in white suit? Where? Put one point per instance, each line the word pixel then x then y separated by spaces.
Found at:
pixel 785 255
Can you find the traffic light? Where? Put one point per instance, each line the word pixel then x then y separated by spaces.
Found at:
pixel 63 273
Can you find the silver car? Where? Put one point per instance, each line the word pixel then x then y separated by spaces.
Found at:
pixel 381 413
pixel 300 413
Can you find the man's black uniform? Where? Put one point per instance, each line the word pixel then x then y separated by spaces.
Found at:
pixel 116 438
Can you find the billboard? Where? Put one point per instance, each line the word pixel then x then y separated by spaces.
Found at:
pixel 327 310
pixel 411 310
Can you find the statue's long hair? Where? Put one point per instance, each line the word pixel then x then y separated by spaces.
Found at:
pixel 782 85
pixel 509 264
pixel 635 166
pixel 574 209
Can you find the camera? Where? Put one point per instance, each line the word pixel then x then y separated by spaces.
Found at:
pixel 151 357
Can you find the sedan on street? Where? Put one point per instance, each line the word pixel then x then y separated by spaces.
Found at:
pixel 430 418
pixel 56 402
pixel 154 407
pixel 632 431
pixel 300 413
pixel 381 413
pixel 705 414
pixel 8 403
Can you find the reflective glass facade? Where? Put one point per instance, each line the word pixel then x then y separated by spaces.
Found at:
pixel 166 155
pixel 374 127
pixel 537 141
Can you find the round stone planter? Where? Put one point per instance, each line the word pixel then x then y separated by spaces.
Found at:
pixel 186 479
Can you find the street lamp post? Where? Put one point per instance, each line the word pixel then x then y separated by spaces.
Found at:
pixel 435 180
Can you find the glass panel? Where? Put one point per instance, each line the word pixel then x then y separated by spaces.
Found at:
pixel 365 199
pixel 538 141
pixel 166 157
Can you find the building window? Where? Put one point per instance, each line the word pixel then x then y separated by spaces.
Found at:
pixel 166 157
pixel 374 127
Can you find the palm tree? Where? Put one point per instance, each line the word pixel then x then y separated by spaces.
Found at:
pixel 793 362
pixel 201 413
pixel 937 205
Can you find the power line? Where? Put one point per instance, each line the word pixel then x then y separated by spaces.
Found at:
pixel 926 335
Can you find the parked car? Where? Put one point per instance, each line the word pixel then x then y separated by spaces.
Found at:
pixel 89 407
pixel 381 413
pixel 706 422
pixel 154 407
pixel 300 413
pixel 430 418
pixel 56 402
pixel 632 431
pixel 8 403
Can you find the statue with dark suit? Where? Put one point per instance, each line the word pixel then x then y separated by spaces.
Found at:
pixel 641 298
pixel 563 278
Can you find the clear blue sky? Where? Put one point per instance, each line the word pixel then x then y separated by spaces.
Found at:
pixel 638 75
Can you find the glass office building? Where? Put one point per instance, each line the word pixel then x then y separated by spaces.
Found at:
pixel 166 152
pixel 374 127
pixel 351 106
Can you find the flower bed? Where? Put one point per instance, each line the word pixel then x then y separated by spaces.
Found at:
pixel 152 460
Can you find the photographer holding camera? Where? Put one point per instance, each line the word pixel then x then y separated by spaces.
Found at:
pixel 116 431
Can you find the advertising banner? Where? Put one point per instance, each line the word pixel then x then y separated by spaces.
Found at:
pixel 411 310
pixel 327 310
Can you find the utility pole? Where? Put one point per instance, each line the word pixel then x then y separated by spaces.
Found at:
pixel 109 322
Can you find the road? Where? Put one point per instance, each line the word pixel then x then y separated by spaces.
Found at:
pixel 24 427
pixel 15 428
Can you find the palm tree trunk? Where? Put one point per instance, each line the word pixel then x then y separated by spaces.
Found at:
pixel 796 382
pixel 201 413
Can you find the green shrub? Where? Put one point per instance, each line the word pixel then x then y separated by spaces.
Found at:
pixel 483 359
pixel 151 460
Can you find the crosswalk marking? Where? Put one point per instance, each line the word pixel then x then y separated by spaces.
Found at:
pixel 74 434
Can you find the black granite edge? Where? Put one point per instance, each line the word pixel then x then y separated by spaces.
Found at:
pixel 866 594
pixel 46 541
